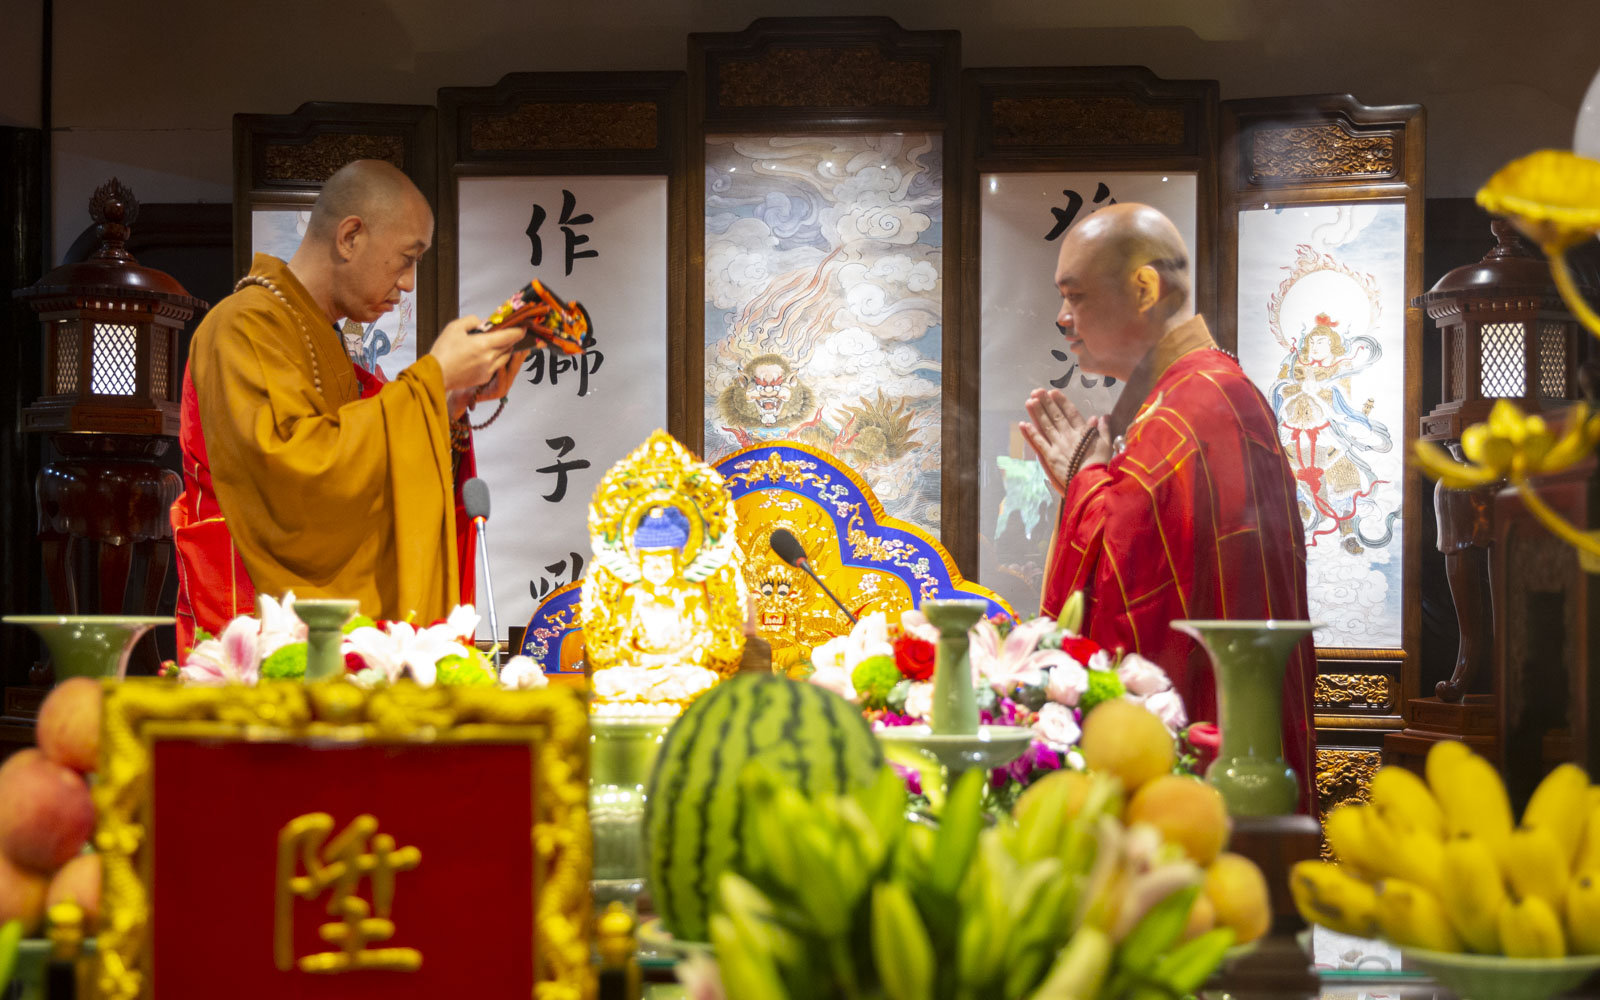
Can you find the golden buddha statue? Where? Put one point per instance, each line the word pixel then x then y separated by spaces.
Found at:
pixel 664 601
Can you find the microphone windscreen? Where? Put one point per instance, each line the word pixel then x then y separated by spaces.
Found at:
pixel 787 547
pixel 475 497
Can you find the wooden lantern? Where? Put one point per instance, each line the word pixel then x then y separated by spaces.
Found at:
pixel 112 385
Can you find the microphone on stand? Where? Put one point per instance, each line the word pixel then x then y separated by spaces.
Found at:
pixel 475 497
pixel 789 549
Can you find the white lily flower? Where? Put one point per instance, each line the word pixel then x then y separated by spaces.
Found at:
pixel 522 673
pixel 233 658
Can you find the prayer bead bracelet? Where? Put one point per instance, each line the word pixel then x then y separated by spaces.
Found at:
pixel 1081 450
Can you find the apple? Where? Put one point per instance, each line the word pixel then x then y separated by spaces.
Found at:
pixel 78 881
pixel 46 813
pixel 69 724
pixel 21 895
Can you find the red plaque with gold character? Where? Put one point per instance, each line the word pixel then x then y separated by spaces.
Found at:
pixel 326 841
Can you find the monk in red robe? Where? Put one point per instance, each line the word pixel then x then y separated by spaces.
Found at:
pixel 1180 503
pixel 301 471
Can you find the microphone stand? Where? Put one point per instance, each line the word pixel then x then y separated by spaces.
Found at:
pixel 488 583
pixel 805 564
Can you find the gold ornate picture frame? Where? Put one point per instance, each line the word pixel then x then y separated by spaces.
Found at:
pixel 225 814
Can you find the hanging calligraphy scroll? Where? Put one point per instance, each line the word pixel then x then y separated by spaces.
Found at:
pixel 572 179
pixel 1053 146
pixel 823 227
pixel 280 164
pixel 325 841
pixel 1322 225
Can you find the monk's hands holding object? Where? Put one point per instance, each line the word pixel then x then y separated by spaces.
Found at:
pixel 470 359
pixel 1063 439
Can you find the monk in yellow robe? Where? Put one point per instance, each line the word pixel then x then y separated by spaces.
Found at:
pixel 300 472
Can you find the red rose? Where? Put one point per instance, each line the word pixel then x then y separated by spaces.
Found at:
pixel 914 657
pixel 1079 648
pixel 1205 739
pixel 353 663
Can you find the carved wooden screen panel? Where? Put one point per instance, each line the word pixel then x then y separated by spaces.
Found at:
pixel 575 179
pixel 280 164
pixel 825 227
pixel 1051 146
pixel 1322 227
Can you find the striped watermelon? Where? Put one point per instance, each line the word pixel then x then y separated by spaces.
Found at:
pixel 692 815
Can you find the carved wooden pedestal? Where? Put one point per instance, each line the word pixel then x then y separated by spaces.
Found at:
pixel 1277 964
pixel 1546 608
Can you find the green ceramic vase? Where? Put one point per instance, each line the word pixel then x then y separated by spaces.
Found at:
pixel 1249 659
pixel 955 702
pixel 89 645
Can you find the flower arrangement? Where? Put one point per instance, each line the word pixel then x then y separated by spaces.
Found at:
pixel 1039 673
pixel 271 644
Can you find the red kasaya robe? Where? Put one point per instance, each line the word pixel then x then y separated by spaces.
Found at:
pixel 213 585
pixel 1195 517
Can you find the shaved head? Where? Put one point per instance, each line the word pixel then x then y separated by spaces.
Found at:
pixel 1127 236
pixel 372 190
pixel 367 231
pixel 1123 275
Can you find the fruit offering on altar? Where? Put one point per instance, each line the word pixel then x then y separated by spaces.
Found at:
pixel 48 812
pixel 664 600
pixel 698 818
pixel 1441 865
pixel 1092 890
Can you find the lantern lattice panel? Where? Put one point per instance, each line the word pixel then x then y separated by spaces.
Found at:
pixel 1502 352
pixel 1458 367
pixel 115 359
pixel 1552 374
pixel 159 366
pixel 64 351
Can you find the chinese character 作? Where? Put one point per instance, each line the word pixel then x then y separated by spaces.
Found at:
pixel 310 864
pixel 574 239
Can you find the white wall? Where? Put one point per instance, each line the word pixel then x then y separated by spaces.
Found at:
pixel 147 90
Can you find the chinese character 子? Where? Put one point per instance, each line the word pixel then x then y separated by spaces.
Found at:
pixel 560 468
pixel 1064 216
pixel 574 239
pixel 310 864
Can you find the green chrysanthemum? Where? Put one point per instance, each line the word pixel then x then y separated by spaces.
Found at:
pixel 287 663
pixel 1103 686
pixel 874 678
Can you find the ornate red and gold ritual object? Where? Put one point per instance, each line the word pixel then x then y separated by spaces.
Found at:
pixel 323 840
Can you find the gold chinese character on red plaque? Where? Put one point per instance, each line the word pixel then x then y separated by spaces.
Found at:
pixel 310 863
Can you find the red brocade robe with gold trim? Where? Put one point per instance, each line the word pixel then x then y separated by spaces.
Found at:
pixel 1196 517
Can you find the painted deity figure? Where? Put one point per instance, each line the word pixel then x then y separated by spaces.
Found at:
pixel 1328 440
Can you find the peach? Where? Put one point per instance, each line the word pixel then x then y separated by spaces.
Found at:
pixel 1238 891
pixel 78 881
pixel 1127 740
pixel 21 895
pixel 69 724
pixel 1202 918
pixel 46 813
pixel 1187 811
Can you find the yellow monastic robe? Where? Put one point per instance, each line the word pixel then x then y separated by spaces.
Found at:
pixel 325 493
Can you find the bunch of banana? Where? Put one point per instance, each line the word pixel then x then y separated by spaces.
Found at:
pixel 845 895
pixel 1442 864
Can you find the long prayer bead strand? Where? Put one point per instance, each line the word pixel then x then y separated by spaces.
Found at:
pixel 311 351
